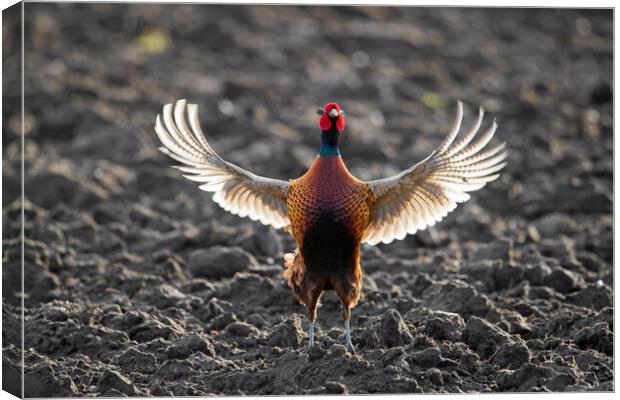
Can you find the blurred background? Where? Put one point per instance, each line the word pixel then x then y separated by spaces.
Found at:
pixel 107 220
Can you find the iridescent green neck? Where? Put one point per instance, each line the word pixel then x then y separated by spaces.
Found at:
pixel 329 146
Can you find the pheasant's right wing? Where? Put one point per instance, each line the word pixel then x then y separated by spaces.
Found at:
pixel 426 192
pixel 236 190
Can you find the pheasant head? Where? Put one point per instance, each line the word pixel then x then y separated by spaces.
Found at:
pixel 332 117
pixel 332 124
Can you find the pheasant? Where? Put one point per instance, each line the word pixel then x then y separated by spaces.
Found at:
pixel 329 212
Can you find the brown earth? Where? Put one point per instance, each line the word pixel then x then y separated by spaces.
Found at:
pixel 138 284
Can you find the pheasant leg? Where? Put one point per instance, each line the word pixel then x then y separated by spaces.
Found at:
pixel 347 328
pixel 347 298
pixel 311 334
pixel 312 304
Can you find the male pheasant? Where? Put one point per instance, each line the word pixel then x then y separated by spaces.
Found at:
pixel 329 212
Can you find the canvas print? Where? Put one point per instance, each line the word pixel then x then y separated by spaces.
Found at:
pixel 306 200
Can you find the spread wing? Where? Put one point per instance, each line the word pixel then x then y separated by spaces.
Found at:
pixel 236 190
pixel 426 192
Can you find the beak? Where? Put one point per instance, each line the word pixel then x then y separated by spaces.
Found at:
pixel 333 113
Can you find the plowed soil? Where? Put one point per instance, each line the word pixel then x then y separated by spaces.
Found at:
pixel 138 284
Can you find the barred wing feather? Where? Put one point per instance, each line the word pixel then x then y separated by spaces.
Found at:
pixel 235 189
pixel 426 192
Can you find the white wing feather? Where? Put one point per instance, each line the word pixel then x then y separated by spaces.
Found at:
pixel 235 189
pixel 426 192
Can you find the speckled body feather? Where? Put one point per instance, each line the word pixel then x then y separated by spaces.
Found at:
pixel 327 189
pixel 329 210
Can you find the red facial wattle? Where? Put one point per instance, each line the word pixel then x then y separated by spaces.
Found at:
pixel 326 121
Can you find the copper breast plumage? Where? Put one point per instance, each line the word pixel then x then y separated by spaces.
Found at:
pixel 327 188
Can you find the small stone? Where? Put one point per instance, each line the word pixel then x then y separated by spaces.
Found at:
pixel 420 283
pixel 148 331
pixel 597 337
pixel 369 339
pixel 197 285
pixel 560 383
pixel 335 388
pixel 591 262
pixel 176 352
pixel 393 356
pixel 516 323
pixel 458 297
pixel 470 362
pixel 435 376
pixel 220 262
pixel 489 341
pixel 223 320
pixel 593 296
pixel 256 319
pixel 162 296
pixel 606 315
pixel 135 360
pixel 524 378
pixel 427 358
pixel 315 353
pixel 287 333
pixel 511 355
pixel 115 380
pixel 338 350
pixel 563 280
pixel 393 331
pixel 445 325
pixel 335 333
pixel 242 329
pixel 177 370
pixel 194 343
pixel 57 315
pixel 536 273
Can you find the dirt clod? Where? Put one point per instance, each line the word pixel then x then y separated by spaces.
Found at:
pixel 393 331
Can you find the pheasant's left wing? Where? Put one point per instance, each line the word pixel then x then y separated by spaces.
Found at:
pixel 425 193
pixel 236 190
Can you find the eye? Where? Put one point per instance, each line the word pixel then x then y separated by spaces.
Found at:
pixel 342 113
